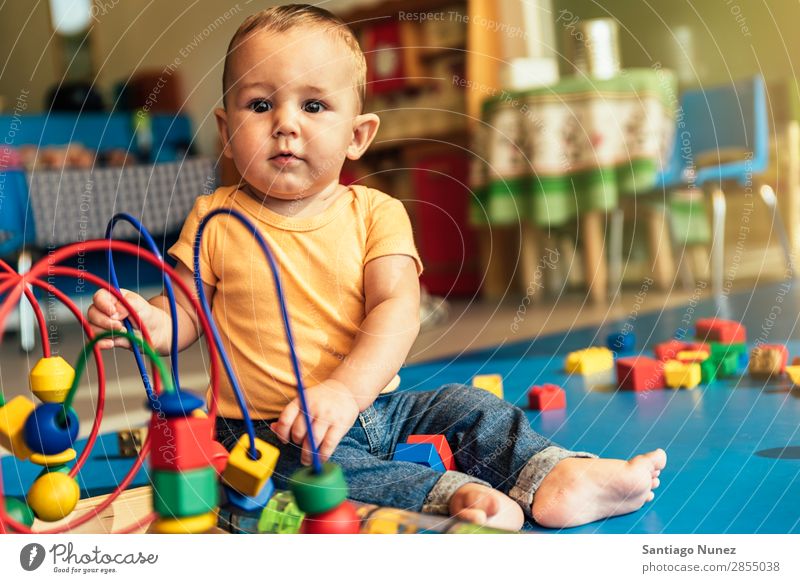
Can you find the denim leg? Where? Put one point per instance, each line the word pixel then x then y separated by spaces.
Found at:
pixel 492 440
pixel 371 475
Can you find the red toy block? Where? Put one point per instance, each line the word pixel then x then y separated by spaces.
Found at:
pixel 441 445
pixel 718 330
pixel 667 350
pixel 180 443
pixel 640 373
pixel 546 397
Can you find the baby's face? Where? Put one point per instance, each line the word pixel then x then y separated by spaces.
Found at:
pixel 291 115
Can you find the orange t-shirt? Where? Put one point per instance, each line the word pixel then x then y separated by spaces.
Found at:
pixel 321 261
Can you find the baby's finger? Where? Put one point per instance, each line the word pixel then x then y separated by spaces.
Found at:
pixel 101 321
pixel 321 429
pixel 284 423
pixel 332 438
pixel 299 430
pixel 104 301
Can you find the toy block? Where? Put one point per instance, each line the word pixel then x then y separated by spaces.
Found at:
pixel 388 521
pixel 589 360
pixel 246 474
pixel 640 373
pixel 726 356
pixel 689 356
pixel 768 360
pixel 708 371
pixel 177 494
pixel 12 426
pixel 621 342
pixel 719 330
pixel 424 454
pixel 51 379
pixel 678 374
pixel 281 515
pixel 793 370
pixel 546 397
pixel 489 382
pixel 669 349
pixel 180 443
pixel 441 445
pixel 130 441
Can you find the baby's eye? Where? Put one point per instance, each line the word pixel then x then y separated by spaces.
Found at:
pixel 260 105
pixel 314 106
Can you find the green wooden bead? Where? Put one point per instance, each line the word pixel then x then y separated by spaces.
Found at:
pixel 179 494
pixel 19 511
pixel 318 493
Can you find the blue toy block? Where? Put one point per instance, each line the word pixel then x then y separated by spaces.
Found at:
pixel 620 342
pixel 424 454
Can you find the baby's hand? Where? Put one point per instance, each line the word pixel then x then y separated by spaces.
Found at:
pixel 333 411
pixel 107 313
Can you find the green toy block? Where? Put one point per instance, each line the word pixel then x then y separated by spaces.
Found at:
pixel 726 357
pixel 281 515
pixel 708 371
pixel 189 493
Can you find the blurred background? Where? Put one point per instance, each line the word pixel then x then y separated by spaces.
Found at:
pixel 579 158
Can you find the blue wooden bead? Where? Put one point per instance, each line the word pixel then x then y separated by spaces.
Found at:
pixel 176 403
pixel 46 433
pixel 249 504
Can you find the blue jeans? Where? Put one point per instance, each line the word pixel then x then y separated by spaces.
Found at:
pixel 492 442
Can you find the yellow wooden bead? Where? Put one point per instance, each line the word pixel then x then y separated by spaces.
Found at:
pixel 186 525
pixel 246 475
pixel 12 423
pixel 58 459
pixel 53 496
pixel 678 374
pixel 199 414
pixel 589 360
pixel 489 382
pixel 51 379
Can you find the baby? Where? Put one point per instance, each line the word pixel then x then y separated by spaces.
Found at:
pixel 293 93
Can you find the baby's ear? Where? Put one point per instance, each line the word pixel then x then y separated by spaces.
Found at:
pixel 365 126
pixel 224 134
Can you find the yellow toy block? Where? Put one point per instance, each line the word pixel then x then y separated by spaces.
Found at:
pixel 589 360
pixel 793 370
pixel 679 374
pixel 12 422
pixel 51 379
pixel 247 475
pixel 689 356
pixel 489 382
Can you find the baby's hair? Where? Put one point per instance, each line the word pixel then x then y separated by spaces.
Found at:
pixel 280 19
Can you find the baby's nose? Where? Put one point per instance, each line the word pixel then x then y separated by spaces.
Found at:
pixel 286 119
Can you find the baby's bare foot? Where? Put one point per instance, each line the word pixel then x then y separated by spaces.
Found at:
pixel 582 490
pixel 484 505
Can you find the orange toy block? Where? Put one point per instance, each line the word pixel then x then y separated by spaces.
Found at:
pixel 441 445
pixel 547 397
pixel 12 423
pixel 247 475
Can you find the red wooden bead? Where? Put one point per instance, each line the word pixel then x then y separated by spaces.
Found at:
pixel 547 397
pixel 180 443
pixel 341 520
pixel 219 456
pixel 640 373
pixel 441 445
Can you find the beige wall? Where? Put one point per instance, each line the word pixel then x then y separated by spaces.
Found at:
pixel 729 39
pixel 131 34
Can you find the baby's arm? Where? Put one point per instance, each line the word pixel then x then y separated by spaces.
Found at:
pixel 391 288
pixel 106 313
